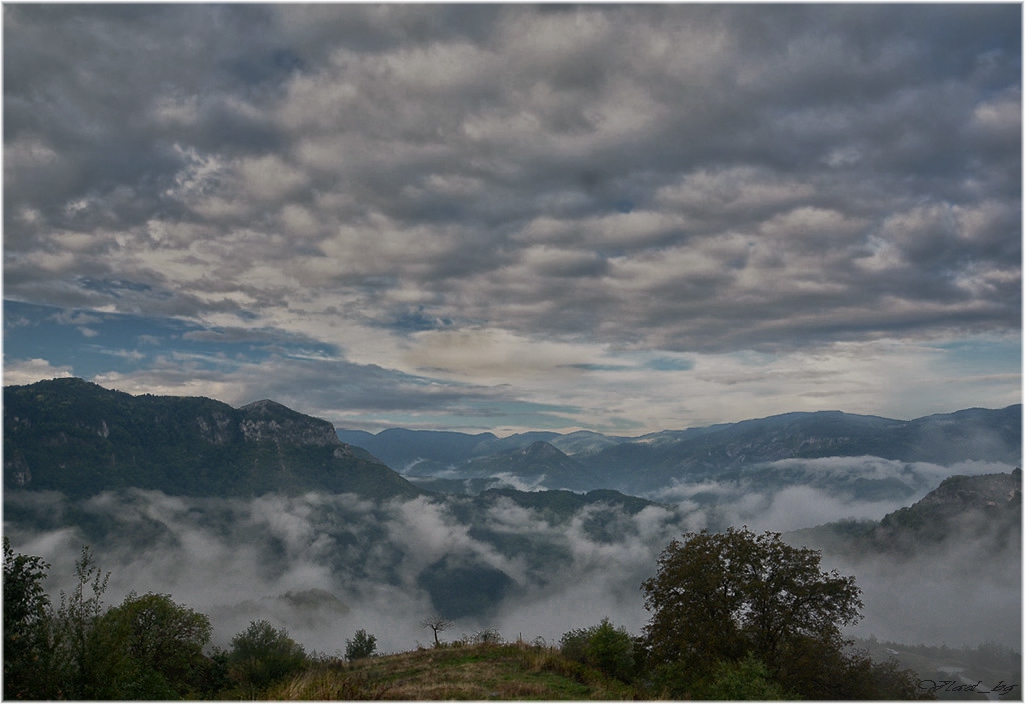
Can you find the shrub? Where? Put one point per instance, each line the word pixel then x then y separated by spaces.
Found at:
pixel 262 654
pixel 362 645
pixel 603 647
pixel 747 679
pixel 486 636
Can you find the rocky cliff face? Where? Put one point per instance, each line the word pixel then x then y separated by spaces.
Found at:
pixel 267 421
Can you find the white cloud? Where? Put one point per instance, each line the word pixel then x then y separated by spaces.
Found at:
pixel 30 371
pixel 584 184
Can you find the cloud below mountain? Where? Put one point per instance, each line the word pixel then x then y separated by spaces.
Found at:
pixel 324 566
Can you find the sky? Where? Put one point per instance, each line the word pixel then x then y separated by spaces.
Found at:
pixel 622 218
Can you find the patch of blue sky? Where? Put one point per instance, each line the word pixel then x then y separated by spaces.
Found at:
pixel 114 287
pixel 985 352
pixel 91 343
pixel 415 321
pixel 670 364
pixel 599 367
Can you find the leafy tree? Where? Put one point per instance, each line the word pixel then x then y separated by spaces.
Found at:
pixel 78 655
pixel 604 647
pixel 362 645
pixel 26 617
pixel 719 597
pixel 153 648
pixel 438 624
pixel 262 654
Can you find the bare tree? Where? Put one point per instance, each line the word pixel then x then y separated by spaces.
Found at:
pixel 437 624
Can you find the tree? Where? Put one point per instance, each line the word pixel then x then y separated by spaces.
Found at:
pixel 720 597
pixel 77 662
pixel 362 645
pixel 154 648
pixel 25 617
pixel 262 654
pixel 438 624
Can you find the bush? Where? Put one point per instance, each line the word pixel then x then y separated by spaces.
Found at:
pixel 486 636
pixel 261 655
pixel 362 645
pixel 747 679
pixel 603 647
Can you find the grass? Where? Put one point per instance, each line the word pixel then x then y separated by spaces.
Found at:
pixel 512 671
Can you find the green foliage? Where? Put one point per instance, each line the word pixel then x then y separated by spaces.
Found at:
pixel 603 647
pixel 154 648
pixel 361 645
pixel 78 653
pixel 747 679
pixel 261 655
pixel 859 677
pixel 718 597
pixel 26 616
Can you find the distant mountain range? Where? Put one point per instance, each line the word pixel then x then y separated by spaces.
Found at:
pixel 586 460
pixel 78 438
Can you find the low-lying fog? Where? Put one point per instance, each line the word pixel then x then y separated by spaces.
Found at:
pixel 324 566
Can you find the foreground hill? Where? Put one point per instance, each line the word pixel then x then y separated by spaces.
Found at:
pixel 513 671
pixel 78 438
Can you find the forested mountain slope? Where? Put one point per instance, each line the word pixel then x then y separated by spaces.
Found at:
pixel 78 438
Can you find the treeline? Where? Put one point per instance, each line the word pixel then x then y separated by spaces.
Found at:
pixel 734 616
pixel 147 647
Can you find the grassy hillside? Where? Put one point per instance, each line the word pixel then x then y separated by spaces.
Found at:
pixel 468 672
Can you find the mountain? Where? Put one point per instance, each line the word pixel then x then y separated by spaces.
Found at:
pixel 983 507
pixel 654 461
pixel 730 451
pixel 983 511
pixel 540 464
pixel 78 438
pixel 400 448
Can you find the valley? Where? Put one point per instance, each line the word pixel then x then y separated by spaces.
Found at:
pixel 263 512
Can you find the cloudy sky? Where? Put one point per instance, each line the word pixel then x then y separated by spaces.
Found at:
pixel 622 218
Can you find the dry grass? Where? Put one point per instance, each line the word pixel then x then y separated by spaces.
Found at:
pixel 469 673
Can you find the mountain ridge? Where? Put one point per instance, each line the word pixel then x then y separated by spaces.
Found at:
pixel 77 437
pixel 651 462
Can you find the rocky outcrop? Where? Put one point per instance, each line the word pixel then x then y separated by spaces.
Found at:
pixel 266 420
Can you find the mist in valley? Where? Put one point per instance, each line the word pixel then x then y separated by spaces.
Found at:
pixel 323 566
